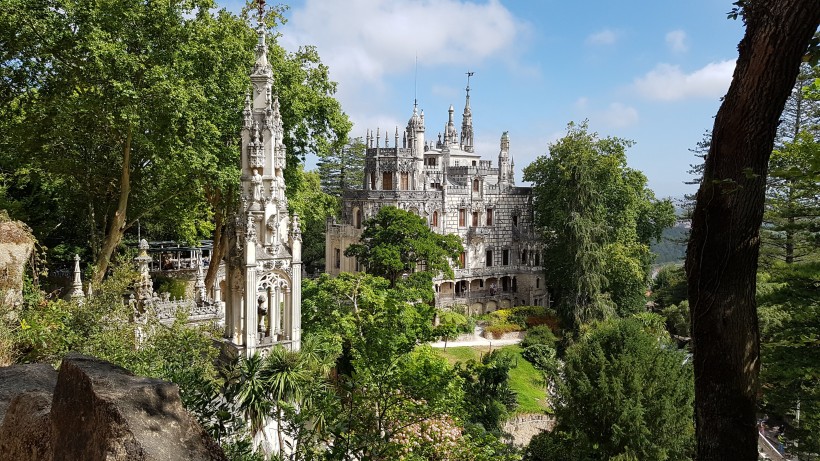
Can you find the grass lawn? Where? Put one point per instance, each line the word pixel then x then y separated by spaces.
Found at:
pixel 525 380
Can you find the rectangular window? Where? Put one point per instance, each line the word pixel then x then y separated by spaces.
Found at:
pixel 372 181
pixel 338 259
pixel 404 181
pixel 489 216
pixel 475 219
pixel 462 260
pixel 537 258
pixel 462 217
pixel 387 181
pixel 505 257
pixel 515 221
pixel 489 258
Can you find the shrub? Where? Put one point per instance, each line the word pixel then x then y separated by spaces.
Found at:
pixel 541 335
pixel 176 287
pixel 542 357
pixel 499 329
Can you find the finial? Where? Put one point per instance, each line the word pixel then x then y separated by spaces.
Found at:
pixel 469 74
pixel 260 8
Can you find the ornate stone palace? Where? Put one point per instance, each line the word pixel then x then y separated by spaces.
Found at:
pixel 447 183
pixel 263 268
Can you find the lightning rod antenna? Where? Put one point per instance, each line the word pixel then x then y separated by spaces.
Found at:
pixel 416 82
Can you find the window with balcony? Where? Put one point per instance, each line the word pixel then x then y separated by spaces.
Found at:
pixel 462 260
pixel 405 181
pixel 387 181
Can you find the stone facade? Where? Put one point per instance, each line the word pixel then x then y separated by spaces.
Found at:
pixel 263 269
pixel 447 183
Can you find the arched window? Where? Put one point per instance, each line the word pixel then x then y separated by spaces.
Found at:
pixel 476 185
pixel 435 218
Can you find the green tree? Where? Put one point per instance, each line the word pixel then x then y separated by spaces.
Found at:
pixel 396 242
pixel 597 219
pixel 488 393
pixel 624 392
pixel 451 324
pixel 343 168
pixel 313 207
pixel 789 309
pixel 126 111
pixel 792 216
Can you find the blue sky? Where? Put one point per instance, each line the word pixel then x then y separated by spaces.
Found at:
pixel 653 72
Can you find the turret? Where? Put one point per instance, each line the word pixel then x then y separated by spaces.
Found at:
pixel 505 172
pixel 415 132
pixel 450 134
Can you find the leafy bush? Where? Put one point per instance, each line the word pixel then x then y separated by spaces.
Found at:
pixel 176 287
pixel 525 316
pixel 542 357
pixel 539 335
pixel 499 329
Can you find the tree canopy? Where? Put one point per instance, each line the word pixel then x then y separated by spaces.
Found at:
pixel 625 392
pixel 115 112
pixel 396 242
pixel 596 218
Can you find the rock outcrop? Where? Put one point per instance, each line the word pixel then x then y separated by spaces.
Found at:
pixel 16 245
pixel 25 402
pixel 96 411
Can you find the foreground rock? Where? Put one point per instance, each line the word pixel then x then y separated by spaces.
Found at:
pixel 100 412
pixel 25 403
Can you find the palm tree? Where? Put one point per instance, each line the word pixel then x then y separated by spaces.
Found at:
pixel 285 374
pixel 254 397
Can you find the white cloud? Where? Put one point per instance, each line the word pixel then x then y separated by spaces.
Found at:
pixel 364 40
pixel 668 82
pixel 676 40
pixel 617 115
pixel 603 37
pixel 581 103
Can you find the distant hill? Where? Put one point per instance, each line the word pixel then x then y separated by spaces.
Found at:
pixel 672 246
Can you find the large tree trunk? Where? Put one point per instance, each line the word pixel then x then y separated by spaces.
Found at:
pixel 218 251
pixel 116 228
pixel 721 260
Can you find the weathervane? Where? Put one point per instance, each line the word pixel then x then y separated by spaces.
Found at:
pixel 469 74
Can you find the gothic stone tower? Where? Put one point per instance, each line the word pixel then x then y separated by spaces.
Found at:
pixel 263 265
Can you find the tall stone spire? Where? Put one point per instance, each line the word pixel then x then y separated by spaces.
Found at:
pixel 467 121
pixel 450 134
pixel 263 266
pixel 505 171
pixel 77 286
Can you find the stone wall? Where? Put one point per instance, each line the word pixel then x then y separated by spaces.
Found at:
pixel 92 410
pixel 524 427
